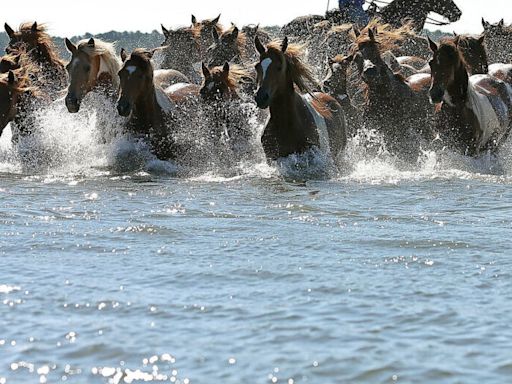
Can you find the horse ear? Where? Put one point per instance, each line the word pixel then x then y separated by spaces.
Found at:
pixel 225 68
pixel 455 34
pixel 216 20
pixel 124 55
pixel 165 31
pixel 485 24
pixel 194 20
pixel 284 45
pixel 257 28
pixel 259 47
pixel 11 78
pixel 235 33
pixel 372 33
pixel 215 34
pixel 456 41
pixel 70 46
pixel 206 71
pixel 34 27
pixel 91 42
pixel 501 23
pixel 433 46
pixel 9 30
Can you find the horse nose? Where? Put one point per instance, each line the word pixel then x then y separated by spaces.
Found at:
pixel 123 107
pixel 262 98
pixel 72 103
pixel 436 95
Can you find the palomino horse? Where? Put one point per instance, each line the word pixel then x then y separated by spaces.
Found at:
pixel 297 122
pixel 94 65
pixel 476 111
pixel 229 46
pixel 34 39
pixel 498 38
pixel 149 108
pixel 417 11
pixel 392 106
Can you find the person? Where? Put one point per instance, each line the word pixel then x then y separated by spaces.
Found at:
pixel 354 11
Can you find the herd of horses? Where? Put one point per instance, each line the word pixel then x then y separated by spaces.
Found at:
pixel 414 92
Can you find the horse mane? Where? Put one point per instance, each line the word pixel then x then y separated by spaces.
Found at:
pixel 300 72
pixel 44 40
pixel 237 75
pixel 107 52
pixel 388 37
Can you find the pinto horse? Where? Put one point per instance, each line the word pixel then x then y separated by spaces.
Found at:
pixel 149 108
pixel 93 65
pixel 399 12
pixel 297 122
pixel 33 38
pixel 476 111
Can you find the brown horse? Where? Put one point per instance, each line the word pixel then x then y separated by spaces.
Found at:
pixel 9 63
pixel 150 110
pixel 36 41
pixel 93 65
pixel 476 111
pixel 392 107
pixel 19 96
pixel 176 42
pixel 498 38
pixel 228 46
pixel 297 122
pixel 203 32
pixel 473 52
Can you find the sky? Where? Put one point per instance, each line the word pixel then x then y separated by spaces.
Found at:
pixel 95 16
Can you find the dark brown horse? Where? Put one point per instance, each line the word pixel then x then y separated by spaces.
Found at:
pixel 476 111
pixel 473 51
pixel 398 12
pixel 297 122
pixel 33 38
pixel 498 38
pixel 393 108
pixel 149 108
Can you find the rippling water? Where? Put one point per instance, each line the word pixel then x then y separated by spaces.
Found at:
pixel 381 274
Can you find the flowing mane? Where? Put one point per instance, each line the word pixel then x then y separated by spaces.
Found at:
pixel 389 38
pixel 300 72
pixel 237 75
pixel 107 53
pixel 43 41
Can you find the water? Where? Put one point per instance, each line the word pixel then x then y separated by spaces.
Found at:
pixel 115 273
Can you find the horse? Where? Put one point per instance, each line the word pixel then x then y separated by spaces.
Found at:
pixel 176 42
pixel 39 45
pixel 93 65
pixel 19 96
pixel 228 46
pixel 297 122
pixel 203 32
pixel 9 63
pixel 149 108
pixel 392 106
pixel 498 38
pixel 221 96
pixel 473 51
pixel 475 115
pixel 400 11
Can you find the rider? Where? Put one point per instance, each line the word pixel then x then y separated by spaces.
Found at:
pixel 354 11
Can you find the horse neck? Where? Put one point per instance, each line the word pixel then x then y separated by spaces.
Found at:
pixel 283 109
pixel 147 111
